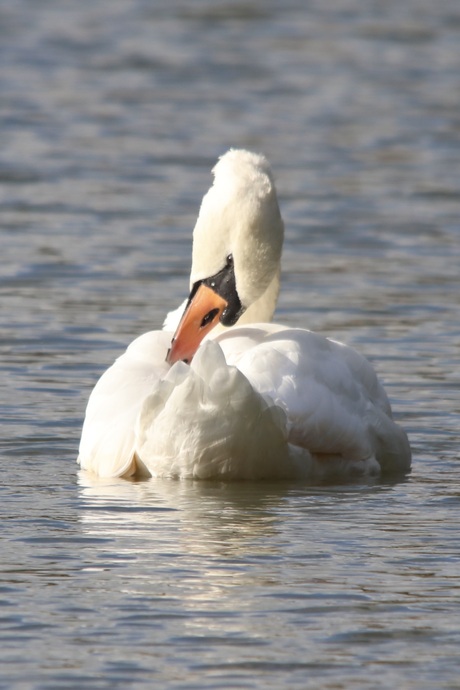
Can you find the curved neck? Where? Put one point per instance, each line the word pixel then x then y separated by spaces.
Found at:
pixel 262 310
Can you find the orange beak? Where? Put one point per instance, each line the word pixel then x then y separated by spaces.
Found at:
pixel 200 317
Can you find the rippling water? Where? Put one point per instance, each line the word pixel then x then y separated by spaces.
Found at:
pixel 111 116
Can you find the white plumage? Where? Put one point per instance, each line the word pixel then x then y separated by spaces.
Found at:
pixel 258 400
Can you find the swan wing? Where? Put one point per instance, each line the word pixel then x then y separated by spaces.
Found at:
pixel 108 442
pixel 334 402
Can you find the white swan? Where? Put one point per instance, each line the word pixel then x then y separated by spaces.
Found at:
pixel 258 400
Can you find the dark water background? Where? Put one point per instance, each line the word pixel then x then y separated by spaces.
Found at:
pixel 111 115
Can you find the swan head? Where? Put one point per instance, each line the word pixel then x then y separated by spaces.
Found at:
pixel 237 244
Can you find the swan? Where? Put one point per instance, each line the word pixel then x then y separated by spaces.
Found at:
pixel 223 393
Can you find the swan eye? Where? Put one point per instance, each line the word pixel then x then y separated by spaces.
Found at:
pixel 210 316
pixel 229 260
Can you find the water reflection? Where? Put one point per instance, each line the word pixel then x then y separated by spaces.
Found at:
pixel 202 552
pixel 206 517
pixel 225 522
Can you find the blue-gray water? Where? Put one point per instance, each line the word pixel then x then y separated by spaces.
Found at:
pixel 111 115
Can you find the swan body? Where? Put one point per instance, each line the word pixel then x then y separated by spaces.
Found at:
pixel 255 400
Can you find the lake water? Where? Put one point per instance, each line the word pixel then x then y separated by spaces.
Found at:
pixel 112 114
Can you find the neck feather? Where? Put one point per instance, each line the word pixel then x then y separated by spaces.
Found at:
pixel 262 310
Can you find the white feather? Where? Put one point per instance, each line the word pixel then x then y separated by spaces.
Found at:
pixel 259 401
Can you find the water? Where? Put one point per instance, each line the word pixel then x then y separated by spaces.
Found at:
pixel 112 114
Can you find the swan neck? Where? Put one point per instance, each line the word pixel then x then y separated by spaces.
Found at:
pixel 262 310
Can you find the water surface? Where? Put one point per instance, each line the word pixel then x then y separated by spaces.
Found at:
pixel 111 117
